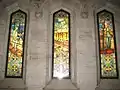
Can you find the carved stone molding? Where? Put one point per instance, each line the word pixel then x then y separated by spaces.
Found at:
pixel 37 4
pixel 38 14
pixel 84 15
pixel 84 10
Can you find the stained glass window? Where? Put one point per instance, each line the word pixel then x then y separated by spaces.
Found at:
pixel 15 52
pixel 61 44
pixel 107 45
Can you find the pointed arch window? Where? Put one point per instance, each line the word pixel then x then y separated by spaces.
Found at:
pixel 15 49
pixel 107 45
pixel 61 45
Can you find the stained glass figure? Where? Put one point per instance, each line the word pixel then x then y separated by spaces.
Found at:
pixel 107 44
pixel 15 53
pixel 61 49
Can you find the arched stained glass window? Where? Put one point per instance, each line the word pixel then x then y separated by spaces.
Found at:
pixel 15 51
pixel 107 45
pixel 61 44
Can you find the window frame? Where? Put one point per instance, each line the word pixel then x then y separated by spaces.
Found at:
pixel 9 32
pixel 69 43
pixel 113 24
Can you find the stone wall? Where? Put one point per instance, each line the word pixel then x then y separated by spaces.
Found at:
pixel 38 45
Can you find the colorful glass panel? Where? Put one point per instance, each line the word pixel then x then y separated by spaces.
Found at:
pixel 108 57
pixel 61 45
pixel 15 46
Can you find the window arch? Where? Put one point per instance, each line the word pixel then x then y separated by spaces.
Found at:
pixel 61 45
pixel 15 49
pixel 107 45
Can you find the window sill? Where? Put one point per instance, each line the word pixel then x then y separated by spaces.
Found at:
pixel 64 84
pixel 12 83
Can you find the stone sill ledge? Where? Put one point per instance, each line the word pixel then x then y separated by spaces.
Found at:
pixel 64 84
pixel 12 83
